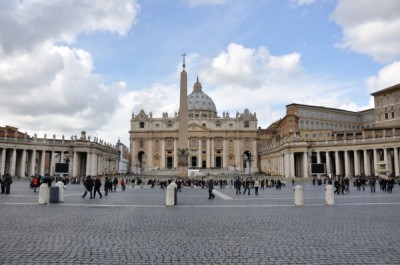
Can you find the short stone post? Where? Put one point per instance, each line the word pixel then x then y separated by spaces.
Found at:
pixel 43 193
pixel 171 199
pixel 61 188
pixel 298 195
pixel 329 198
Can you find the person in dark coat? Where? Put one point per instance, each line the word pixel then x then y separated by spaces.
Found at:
pixel 89 183
pixel 106 187
pixel 115 183
pixel 97 185
pixel 6 184
pixel 210 188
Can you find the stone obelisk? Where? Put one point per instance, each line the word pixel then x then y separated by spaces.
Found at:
pixel 183 152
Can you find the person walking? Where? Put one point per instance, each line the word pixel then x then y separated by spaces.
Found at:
pixel 256 186
pixel 210 188
pixel 238 185
pixel 97 185
pixel 247 186
pixel 89 183
pixel 106 187
pixel 372 183
pixel 123 185
pixel 115 183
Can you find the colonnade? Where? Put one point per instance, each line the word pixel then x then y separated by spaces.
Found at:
pixel 27 157
pixel 343 160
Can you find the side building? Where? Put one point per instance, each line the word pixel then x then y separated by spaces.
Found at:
pixel 348 143
pixel 22 155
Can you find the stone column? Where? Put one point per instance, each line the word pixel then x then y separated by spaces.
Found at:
pixel 149 158
pixel 52 163
pixel 23 164
pixel 254 163
pixel 224 153
pixel 337 163
pixel 367 166
pixel 75 164
pixel 292 169
pixel 88 164
pixel 175 153
pixel 62 157
pixel 346 163
pixel 328 164
pixel 287 165
pixel 396 161
pixel 305 164
pixel 208 153
pixel 42 161
pixel 163 166
pixel 199 153
pixel 94 165
pixel 356 163
pixel 2 161
pixel 212 152
pixel 13 162
pixel 33 163
pixel 376 162
pixel 318 157
pixel 238 156
pixel 133 156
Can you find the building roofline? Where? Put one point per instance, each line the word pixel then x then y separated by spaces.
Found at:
pixel 397 86
pixel 328 108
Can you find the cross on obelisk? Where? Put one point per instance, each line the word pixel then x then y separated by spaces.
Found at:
pixel 183 153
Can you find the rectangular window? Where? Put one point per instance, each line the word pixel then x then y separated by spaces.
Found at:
pixel 218 143
pixel 246 124
pixel 141 124
pixel 170 143
pixel 193 143
pixel 218 125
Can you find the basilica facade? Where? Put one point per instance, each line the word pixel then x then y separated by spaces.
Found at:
pixel 227 142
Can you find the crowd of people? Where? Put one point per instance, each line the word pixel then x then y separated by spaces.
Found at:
pixel 242 185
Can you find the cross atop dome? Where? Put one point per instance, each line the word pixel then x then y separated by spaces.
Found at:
pixel 184 55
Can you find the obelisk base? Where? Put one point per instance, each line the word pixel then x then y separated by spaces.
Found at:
pixel 183 165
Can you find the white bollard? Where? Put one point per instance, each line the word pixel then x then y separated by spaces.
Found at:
pixel 329 198
pixel 170 194
pixel 44 194
pixel 298 195
pixel 61 188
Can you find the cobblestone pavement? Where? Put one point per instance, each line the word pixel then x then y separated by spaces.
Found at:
pixel 135 227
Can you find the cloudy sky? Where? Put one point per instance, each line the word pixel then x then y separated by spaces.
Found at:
pixel 73 65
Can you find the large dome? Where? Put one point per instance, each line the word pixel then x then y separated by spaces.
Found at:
pixel 200 101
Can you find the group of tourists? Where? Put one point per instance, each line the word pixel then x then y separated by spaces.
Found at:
pixel 92 186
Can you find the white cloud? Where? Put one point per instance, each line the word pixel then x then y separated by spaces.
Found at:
pixel 386 77
pixel 26 24
pixel 49 87
pixel 264 83
pixel 301 2
pixel 370 28
pixel 205 2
